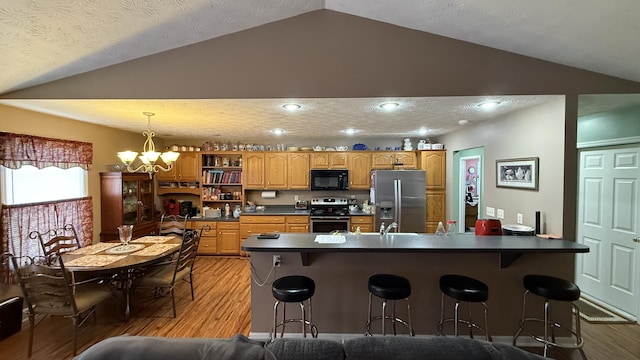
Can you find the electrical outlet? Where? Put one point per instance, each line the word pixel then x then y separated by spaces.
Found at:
pixel 519 218
pixel 491 211
pixel 295 197
pixel 276 260
pixel 500 213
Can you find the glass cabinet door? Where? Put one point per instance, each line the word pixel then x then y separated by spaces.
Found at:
pixel 130 202
pixel 146 200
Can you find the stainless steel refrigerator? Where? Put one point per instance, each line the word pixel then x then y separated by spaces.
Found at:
pixel 400 196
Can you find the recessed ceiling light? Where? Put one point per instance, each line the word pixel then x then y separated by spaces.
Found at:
pixel 423 131
pixel 278 131
pixel 389 105
pixel 463 122
pixel 291 107
pixel 350 131
pixel 488 105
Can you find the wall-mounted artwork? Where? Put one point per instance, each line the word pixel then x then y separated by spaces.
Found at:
pixel 517 173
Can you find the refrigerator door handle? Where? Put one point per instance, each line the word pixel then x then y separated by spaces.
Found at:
pixel 397 189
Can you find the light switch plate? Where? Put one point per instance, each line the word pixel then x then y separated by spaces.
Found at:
pixel 519 218
pixel 500 213
pixel 491 211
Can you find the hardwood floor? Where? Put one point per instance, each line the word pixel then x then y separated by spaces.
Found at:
pixel 222 309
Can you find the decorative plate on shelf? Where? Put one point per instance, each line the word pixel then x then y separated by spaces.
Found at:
pixel 359 147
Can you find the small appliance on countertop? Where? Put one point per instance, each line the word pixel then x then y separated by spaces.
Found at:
pixel 488 227
pixel 301 205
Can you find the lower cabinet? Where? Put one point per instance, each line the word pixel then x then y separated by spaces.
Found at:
pixel 365 223
pixel 297 223
pixel 256 224
pixel 436 200
pixel 223 238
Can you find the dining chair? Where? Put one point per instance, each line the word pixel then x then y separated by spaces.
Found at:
pixel 172 225
pixel 164 276
pixel 49 289
pixel 57 240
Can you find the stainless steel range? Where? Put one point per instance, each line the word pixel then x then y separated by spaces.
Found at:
pixel 329 214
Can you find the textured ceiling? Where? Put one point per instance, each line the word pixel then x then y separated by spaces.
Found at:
pixel 253 119
pixel 41 41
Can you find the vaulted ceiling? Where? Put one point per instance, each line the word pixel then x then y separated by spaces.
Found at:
pixel 45 41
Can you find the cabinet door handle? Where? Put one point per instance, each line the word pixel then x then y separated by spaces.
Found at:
pixel 636 239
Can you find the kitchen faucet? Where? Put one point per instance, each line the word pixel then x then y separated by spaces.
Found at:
pixel 383 231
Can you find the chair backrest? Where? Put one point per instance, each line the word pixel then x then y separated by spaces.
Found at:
pixel 45 285
pixel 187 253
pixel 172 225
pixel 58 240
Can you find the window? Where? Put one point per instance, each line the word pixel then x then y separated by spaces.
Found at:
pixel 32 185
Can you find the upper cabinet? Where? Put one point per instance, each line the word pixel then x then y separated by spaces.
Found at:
pixel 329 160
pixel 276 170
pixel 394 160
pixel 359 170
pixel 434 162
pixel 298 171
pixel 184 176
pixel 253 170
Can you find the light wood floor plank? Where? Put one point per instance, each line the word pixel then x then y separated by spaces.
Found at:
pixel 222 309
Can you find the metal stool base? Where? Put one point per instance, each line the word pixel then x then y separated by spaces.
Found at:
pixel 468 323
pixel 579 342
pixel 394 319
pixel 303 321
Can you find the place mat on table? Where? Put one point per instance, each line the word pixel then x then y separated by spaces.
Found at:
pixel 94 249
pixel 155 249
pixel 94 260
pixel 330 239
pixel 153 239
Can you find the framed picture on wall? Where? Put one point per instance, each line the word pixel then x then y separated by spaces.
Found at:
pixel 517 173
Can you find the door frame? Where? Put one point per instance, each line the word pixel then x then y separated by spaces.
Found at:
pixel 457 211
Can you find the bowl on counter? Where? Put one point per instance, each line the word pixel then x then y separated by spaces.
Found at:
pixel 293 148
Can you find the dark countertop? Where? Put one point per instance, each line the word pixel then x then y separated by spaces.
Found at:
pixel 509 247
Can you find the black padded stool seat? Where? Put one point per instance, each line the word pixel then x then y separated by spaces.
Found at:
pixel 390 287
pixel 294 288
pixel 464 288
pixel 551 287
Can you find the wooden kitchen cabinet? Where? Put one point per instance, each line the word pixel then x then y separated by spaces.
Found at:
pixel 297 223
pixel 253 170
pixel 183 178
pixel 276 171
pixel 126 199
pixel 298 164
pixel 209 240
pixel 228 242
pixel 256 224
pixel 394 160
pixel 434 162
pixel 359 171
pixel 365 223
pixel 329 160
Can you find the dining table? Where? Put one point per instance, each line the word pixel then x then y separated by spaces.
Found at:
pixel 119 262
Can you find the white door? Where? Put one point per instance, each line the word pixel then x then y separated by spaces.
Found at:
pixel 608 221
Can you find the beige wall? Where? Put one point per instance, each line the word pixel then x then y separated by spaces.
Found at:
pixel 106 142
pixel 533 132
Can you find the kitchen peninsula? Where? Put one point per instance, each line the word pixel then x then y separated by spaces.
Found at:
pixel 341 270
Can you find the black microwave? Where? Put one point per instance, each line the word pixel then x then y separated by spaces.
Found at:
pixel 330 179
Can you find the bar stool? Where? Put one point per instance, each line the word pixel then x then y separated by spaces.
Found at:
pixel 463 288
pixel 293 289
pixel 552 288
pixel 389 287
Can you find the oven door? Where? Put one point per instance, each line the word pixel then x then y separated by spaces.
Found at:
pixel 327 224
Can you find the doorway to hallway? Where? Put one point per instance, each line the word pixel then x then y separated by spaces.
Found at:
pixel 468 172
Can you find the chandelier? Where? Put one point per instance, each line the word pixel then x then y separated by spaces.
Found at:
pixel 149 154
